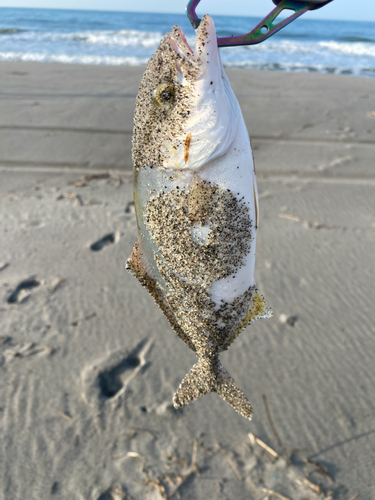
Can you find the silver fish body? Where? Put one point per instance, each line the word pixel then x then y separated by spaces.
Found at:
pixel 196 204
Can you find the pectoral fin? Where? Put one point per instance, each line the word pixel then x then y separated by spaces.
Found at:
pixel 258 309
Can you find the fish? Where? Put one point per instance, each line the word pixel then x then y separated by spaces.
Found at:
pixel 196 204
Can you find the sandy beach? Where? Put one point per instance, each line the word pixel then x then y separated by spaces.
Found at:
pixel 88 363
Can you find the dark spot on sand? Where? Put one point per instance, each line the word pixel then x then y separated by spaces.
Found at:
pixel 130 206
pixel 103 242
pixel 107 495
pixel 292 320
pixel 55 488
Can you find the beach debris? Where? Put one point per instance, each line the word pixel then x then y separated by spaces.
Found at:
pixel 4 265
pixel 65 415
pixel 197 210
pixel 134 454
pixel 309 224
pixel 289 320
pixel 94 177
pixel 234 468
pixel 319 467
pixel 168 471
pixel 116 492
pixel 71 196
pixel 315 487
pixel 372 114
pixel 275 493
pixel 253 439
pixel 193 469
pixel 356 495
pixel 157 485
pixel 274 431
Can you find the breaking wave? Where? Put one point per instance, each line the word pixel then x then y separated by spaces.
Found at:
pixel 120 38
pixel 123 38
pixel 358 49
pixel 73 59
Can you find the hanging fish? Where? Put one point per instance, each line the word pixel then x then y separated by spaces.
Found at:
pixel 197 207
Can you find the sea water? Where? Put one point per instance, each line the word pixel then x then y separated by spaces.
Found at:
pixel 129 38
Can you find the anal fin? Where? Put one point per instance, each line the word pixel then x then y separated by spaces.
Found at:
pixel 138 266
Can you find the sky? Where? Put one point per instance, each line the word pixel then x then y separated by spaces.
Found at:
pixel 350 10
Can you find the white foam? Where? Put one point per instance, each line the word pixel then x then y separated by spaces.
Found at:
pixel 123 38
pixel 72 59
pixel 120 38
pixel 358 49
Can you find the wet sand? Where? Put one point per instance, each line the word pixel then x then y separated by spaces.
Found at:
pixel 89 365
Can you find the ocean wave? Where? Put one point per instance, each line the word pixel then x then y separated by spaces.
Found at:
pixel 73 59
pixel 120 38
pixel 300 68
pixel 357 49
pixel 139 61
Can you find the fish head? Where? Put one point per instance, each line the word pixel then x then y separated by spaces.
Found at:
pixel 186 112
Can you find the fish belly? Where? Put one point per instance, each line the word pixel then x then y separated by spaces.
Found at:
pixel 197 236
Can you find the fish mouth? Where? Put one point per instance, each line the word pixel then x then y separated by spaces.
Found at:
pixel 205 50
pixel 182 46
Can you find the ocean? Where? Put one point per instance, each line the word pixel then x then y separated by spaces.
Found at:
pixel 129 38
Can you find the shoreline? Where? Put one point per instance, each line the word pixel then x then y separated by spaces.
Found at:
pixel 227 66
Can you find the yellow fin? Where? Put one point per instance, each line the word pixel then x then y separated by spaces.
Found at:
pixel 258 309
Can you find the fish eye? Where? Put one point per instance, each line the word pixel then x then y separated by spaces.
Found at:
pixel 163 95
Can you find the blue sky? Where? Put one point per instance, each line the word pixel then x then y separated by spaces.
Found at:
pixel 351 10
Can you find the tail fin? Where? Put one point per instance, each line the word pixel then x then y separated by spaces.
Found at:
pixel 204 378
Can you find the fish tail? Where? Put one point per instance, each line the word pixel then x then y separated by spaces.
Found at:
pixel 206 377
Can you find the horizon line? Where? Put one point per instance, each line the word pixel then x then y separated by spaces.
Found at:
pixel 174 13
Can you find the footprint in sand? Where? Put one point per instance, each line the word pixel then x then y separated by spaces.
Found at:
pixel 107 379
pixel 22 291
pixel 105 241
